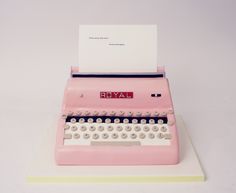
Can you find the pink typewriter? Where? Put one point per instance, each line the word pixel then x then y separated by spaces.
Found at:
pixel 117 119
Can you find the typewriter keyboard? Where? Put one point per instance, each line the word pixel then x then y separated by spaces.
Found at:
pixel 124 131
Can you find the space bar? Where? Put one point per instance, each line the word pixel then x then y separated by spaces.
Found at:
pixel 115 143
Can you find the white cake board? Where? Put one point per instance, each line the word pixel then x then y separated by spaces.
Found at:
pixel 44 170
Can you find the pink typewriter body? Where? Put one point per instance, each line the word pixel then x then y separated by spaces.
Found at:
pixel 97 95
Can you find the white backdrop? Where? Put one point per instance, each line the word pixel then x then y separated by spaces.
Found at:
pixel 197 44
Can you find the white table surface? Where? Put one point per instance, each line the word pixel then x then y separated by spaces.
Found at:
pixel 197 44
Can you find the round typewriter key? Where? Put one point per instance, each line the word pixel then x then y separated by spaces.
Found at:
pixel 76 136
pixel 81 120
pixel 160 121
pixel 109 128
pixel 143 121
pixel 116 120
pixel 126 121
pixel 95 136
pixel 92 128
pixel 155 128
pixel 83 128
pixel 90 120
pixel 137 128
pixel 98 120
pixel 151 121
pixel 119 128
pixel 78 113
pixel 138 114
pixel 129 114
pixel 74 128
pixel 128 128
pixel 67 127
pixel 107 120
pixel 123 135
pixel 142 135
pixel 146 128
pixel 100 128
pixel 163 129
pixel 73 120
pixel 168 136
pixel 147 114
pixel 105 135
pixel 133 136
pixel 163 113
pixel 160 135
pixel 134 121
pixel 86 135
pixel 151 135
pixel 114 135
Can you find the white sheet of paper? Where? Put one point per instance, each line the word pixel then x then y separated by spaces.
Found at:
pixel 118 48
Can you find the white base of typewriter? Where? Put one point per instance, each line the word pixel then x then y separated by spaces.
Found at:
pixel 44 170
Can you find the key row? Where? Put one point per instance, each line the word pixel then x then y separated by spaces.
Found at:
pixel 120 113
pixel 117 120
pixel 118 128
pixel 117 136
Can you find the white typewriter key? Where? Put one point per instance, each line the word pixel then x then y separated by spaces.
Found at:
pixel 74 128
pixel 116 120
pixel 95 136
pixel 92 128
pixel 100 128
pixel 156 113
pixel 170 123
pixel 63 116
pixel 67 136
pixel 151 135
pixel 76 136
pixel 163 113
pixel 119 128
pixel 160 121
pixel 142 135
pixel 137 128
pixel 83 128
pixel 163 129
pixel 128 128
pixel 103 113
pixel 138 114
pixel 112 113
pixel 98 120
pixel 123 135
pixel 151 121
pixel 114 135
pixel 121 113
pixel 67 127
pixel 110 128
pixel 168 136
pixel 86 112
pixel 146 128
pixel 134 121
pixel 73 120
pixel 129 114
pixel 81 120
pixel 143 121
pixel 155 128
pixel 86 135
pixel 107 120
pixel 133 136
pixel 105 135
pixel 160 135
pixel 90 120
pixel 126 121
pixel 147 114
pixel 78 113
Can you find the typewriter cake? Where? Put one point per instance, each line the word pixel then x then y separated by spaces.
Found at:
pixel 117 119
